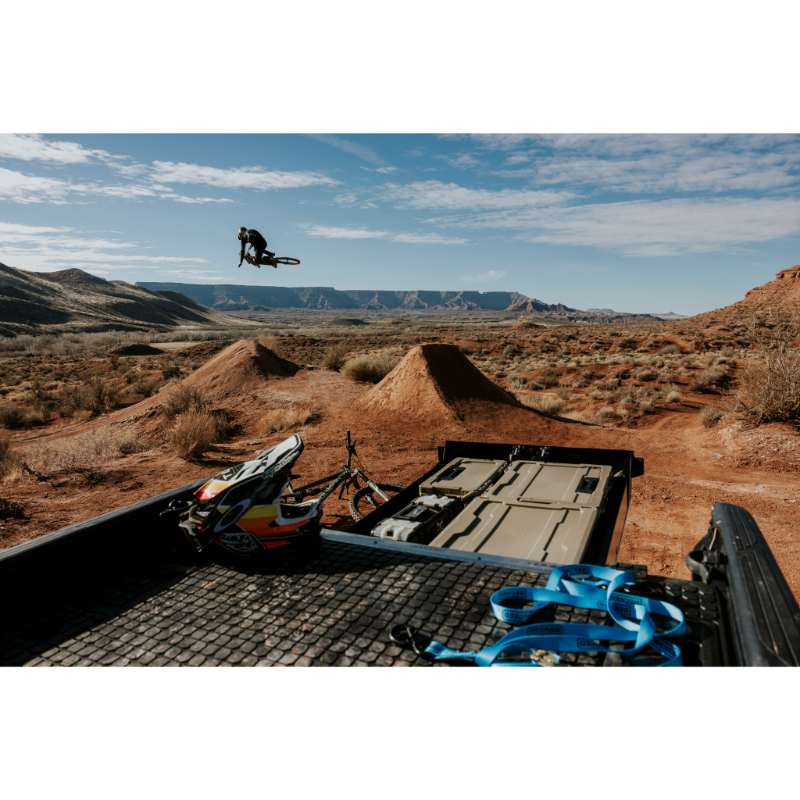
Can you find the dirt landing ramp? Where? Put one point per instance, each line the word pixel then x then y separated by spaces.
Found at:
pixel 435 380
pixel 237 366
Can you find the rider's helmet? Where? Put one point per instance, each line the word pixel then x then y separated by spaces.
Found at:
pixel 242 233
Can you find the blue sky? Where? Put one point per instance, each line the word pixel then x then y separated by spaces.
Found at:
pixel 631 222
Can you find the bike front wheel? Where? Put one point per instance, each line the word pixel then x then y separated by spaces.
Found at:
pixel 367 499
pixel 290 262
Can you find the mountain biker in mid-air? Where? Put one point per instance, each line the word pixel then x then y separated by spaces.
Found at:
pixel 250 236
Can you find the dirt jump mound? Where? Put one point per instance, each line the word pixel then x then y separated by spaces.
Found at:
pixel 137 350
pixel 435 379
pixel 239 365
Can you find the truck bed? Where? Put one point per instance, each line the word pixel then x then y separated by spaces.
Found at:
pixel 333 605
pixel 122 589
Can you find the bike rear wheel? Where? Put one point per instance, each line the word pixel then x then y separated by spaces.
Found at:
pixel 291 262
pixel 366 499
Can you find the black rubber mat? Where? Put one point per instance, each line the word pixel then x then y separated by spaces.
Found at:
pixel 331 606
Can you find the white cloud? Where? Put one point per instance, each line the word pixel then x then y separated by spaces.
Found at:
pixel 32 147
pixel 662 227
pixel 357 149
pixel 346 199
pixel 18 187
pixel 659 164
pixel 333 232
pixel 673 172
pixel 237 177
pixel 425 238
pixel 13 232
pixel 485 277
pixel 462 161
pixel 49 247
pixel 437 194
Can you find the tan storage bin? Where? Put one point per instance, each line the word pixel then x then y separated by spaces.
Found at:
pixel 553 532
pixel 462 476
pixel 542 482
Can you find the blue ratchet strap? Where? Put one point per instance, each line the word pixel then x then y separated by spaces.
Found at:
pixel 579 586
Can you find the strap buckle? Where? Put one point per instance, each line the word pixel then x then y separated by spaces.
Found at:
pixel 411 639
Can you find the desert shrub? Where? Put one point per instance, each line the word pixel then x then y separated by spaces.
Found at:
pixel 769 388
pixel 98 397
pixel 8 458
pixel 674 396
pixel 335 356
pixel 646 374
pixel 548 378
pixel 606 414
pixel 193 433
pixel 547 404
pixel 710 379
pixel 83 451
pixel 227 424
pixel 710 416
pixel 289 418
pixel 170 371
pixel 12 510
pixel 271 343
pixel 182 398
pixel 12 416
pixel 145 386
pixel 670 350
pixel 370 367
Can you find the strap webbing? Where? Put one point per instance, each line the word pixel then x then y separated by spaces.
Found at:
pixel 579 586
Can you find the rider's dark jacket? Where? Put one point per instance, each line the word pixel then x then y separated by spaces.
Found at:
pixel 254 238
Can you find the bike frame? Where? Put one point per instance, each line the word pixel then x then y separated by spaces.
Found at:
pixel 346 476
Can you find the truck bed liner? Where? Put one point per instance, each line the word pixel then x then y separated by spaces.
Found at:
pixel 331 606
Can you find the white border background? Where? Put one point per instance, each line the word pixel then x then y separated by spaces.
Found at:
pixel 350 66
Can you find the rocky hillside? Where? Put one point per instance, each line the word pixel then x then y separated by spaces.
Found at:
pixel 781 295
pixel 73 300
pixel 233 297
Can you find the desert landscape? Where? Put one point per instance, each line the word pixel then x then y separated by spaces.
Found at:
pixel 151 389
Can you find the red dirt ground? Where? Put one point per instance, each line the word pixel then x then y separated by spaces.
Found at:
pixel 688 467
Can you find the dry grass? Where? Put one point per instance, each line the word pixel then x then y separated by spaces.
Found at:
pixel 8 458
pixel 84 451
pixel 289 418
pixel 271 343
pixel 181 399
pixel 711 379
pixel 370 367
pixel 646 374
pixel 548 379
pixel 607 414
pixel 193 433
pixel 710 416
pixel 13 416
pixel 769 389
pixel 335 357
pixel 547 404
pixel 674 396
pixel 98 397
